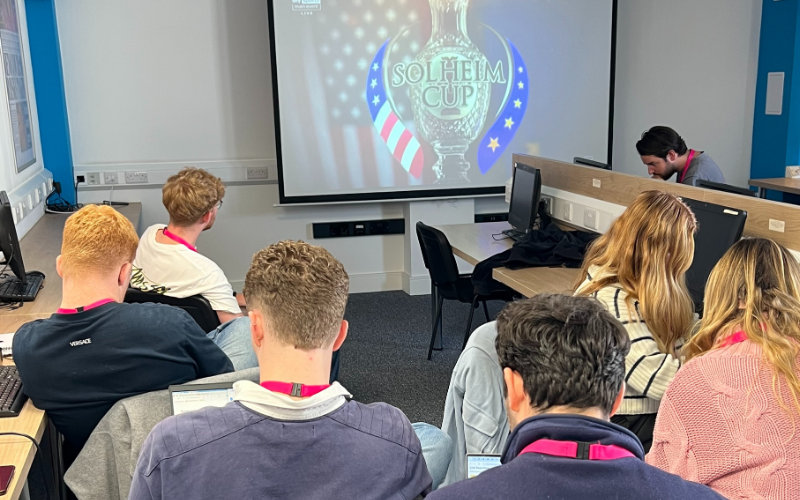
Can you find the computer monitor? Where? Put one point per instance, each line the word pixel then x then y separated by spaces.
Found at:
pixel 525 193
pixel 727 188
pixel 718 228
pixel 591 163
pixel 9 243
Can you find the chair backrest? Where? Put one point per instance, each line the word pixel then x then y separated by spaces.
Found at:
pixel 438 255
pixel 198 307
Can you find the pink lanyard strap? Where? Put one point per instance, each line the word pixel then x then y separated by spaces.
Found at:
pixel 686 168
pixel 579 450
pixel 736 338
pixel 84 308
pixel 178 239
pixel 294 389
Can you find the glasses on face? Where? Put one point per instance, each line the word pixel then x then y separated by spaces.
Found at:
pixel 219 204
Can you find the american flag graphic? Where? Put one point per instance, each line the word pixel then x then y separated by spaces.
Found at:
pixel 497 139
pixel 404 146
pixel 348 34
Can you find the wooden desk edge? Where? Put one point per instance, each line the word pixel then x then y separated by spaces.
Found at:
pixel 12 447
pixel 470 259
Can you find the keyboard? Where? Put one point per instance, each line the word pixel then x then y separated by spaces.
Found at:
pixel 12 398
pixel 12 290
pixel 514 234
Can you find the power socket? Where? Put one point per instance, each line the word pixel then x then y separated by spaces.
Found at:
pixel 93 178
pixel 257 173
pixel 591 218
pixel 566 212
pixel 135 177
pixel 110 178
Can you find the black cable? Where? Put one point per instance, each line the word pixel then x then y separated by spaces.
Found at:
pixel 38 452
pixel 60 205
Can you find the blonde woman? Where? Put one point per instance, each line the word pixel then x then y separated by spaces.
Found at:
pixel 731 418
pixel 636 269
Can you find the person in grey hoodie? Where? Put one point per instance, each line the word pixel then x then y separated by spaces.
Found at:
pixel 474 413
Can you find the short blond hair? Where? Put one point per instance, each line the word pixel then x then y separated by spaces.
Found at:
pixel 302 291
pixel 190 194
pixel 97 238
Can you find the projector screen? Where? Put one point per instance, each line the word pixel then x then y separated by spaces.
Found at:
pixel 395 99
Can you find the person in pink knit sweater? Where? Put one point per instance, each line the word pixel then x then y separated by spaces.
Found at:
pixel 730 419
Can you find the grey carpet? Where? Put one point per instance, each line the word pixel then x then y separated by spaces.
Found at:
pixel 385 355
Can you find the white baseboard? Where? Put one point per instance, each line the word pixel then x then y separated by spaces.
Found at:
pixel 363 283
pixel 416 285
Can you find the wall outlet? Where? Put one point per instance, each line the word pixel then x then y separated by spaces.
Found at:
pixel 93 178
pixel 135 177
pixel 110 177
pixel 566 212
pixel 257 173
pixel 590 218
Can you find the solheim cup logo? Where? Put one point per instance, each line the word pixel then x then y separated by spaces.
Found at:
pixel 450 84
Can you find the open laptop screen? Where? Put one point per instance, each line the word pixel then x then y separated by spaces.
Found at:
pixel 191 397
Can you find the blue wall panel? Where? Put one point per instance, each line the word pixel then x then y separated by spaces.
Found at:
pixel 50 100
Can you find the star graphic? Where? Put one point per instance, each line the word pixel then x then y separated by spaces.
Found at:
pixel 521 85
pixel 376 100
pixel 509 123
pixel 520 69
pixel 494 144
pixel 374 83
pixel 375 67
pixel 518 104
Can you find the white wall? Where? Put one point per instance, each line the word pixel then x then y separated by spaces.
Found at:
pixel 156 85
pixel 690 65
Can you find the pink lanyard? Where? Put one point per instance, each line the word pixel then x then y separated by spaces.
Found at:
pixel 178 239
pixel 294 389
pixel 736 338
pixel 686 168
pixel 579 450
pixel 85 308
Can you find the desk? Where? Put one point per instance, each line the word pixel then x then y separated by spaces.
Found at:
pixel 40 247
pixel 474 243
pixel 782 184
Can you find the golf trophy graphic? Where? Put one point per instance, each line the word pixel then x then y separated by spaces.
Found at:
pixel 450 84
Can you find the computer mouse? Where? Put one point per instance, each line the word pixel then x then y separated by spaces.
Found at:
pixel 35 273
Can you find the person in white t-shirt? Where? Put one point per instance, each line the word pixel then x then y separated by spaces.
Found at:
pixel 168 261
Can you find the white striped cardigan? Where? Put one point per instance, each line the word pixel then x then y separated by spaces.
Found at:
pixel 648 371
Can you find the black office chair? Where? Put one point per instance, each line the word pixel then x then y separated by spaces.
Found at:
pixel 197 306
pixel 438 256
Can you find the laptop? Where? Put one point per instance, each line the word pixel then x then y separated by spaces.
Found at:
pixel 718 228
pixel 191 397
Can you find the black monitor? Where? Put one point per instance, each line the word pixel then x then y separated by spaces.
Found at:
pixel 525 193
pixel 718 228
pixel 9 243
pixel 727 188
pixel 591 163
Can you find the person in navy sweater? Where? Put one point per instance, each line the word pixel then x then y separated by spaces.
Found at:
pixel 563 361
